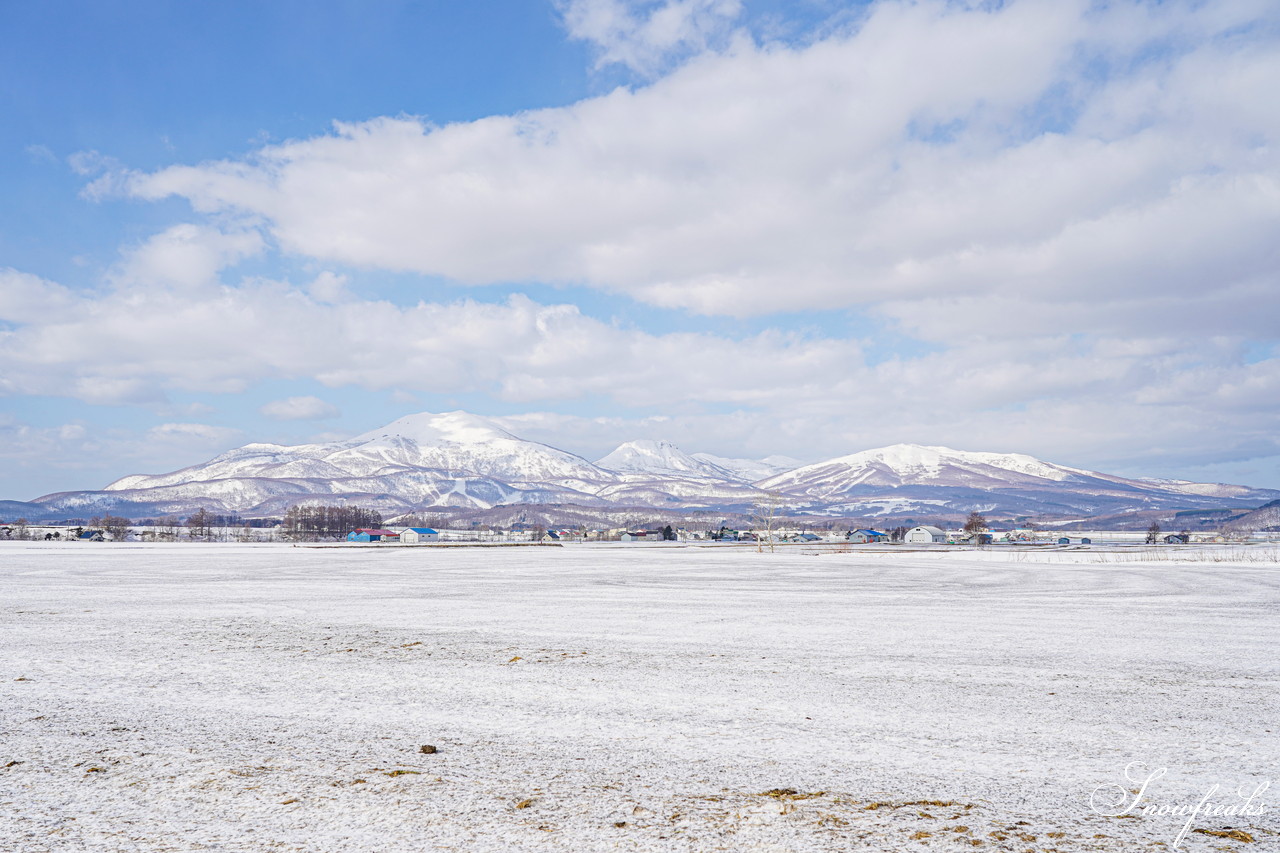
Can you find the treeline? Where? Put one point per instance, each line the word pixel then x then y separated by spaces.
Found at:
pixel 310 523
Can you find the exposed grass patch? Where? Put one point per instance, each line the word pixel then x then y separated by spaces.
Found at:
pixel 791 794
pixel 1233 834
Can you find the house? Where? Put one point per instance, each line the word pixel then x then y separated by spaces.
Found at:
pixel 550 536
pixel 372 534
pixel 808 537
pixel 925 533
pixel 414 535
pixel 1176 539
pixel 861 537
pixel 642 536
pixel 92 536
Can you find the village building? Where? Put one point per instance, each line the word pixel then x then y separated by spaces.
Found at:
pixel 415 535
pixel 641 536
pixel 925 534
pixel 372 534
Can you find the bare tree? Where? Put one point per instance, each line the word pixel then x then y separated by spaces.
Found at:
pixel 1153 533
pixel 765 514
pixel 200 524
pixel 313 522
pixel 975 523
pixel 117 527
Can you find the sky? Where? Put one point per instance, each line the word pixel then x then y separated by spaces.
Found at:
pixel 749 227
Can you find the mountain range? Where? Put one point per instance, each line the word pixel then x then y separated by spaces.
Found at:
pixel 458 462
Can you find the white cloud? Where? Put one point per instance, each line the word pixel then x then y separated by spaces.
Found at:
pixel 186 257
pixel 187 435
pixel 300 409
pixel 111 348
pixel 76 455
pixel 328 287
pixel 938 149
pixel 1075 398
pixel 26 298
pixel 645 35
pixel 1073 205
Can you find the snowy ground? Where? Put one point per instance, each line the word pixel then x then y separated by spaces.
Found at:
pixel 247 698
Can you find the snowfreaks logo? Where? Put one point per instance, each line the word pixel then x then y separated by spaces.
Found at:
pixel 1113 800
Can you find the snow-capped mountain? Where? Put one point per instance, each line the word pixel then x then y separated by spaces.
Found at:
pixel 751 470
pixel 657 473
pixel 903 476
pixel 455 459
pixel 454 444
pixel 647 456
pixel 466 462
pixel 1189 487
pixel 912 464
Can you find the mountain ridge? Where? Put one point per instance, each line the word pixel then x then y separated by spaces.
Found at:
pixel 461 461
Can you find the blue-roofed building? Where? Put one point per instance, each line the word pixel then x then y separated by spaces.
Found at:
pixel 861 537
pixel 415 535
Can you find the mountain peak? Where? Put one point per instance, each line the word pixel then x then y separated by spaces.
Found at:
pixel 657 456
pixel 428 428
pixel 917 461
pixel 751 470
pixel 457 459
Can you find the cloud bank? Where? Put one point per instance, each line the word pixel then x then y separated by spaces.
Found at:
pixel 1067 210
pixel 1052 155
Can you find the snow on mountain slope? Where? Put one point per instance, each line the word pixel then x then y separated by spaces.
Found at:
pixel 647 456
pixel 467 461
pixel 651 490
pixel 911 464
pixel 1188 487
pixel 454 444
pixel 751 470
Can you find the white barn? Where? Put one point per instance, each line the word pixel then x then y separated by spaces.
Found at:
pixel 414 535
pixel 924 534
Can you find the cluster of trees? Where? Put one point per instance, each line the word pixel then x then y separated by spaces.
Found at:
pixel 416 519
pixel 16 530
pixel 313 523
pixel 113 525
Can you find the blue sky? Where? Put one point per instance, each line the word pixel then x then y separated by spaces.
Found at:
pixel 748 227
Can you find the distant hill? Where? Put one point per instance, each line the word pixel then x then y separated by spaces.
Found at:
pixel 464 463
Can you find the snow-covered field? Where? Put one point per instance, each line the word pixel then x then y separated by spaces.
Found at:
pixel 249 698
